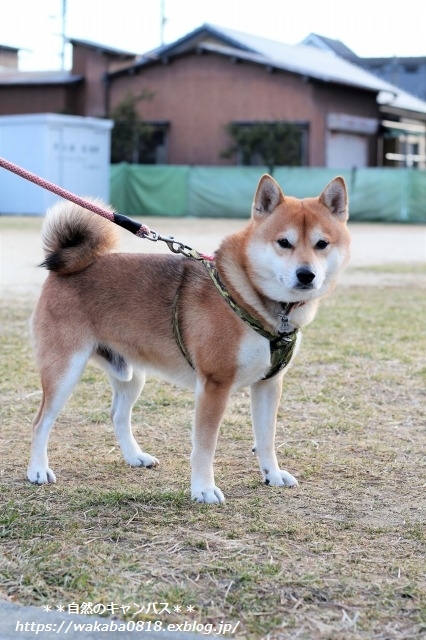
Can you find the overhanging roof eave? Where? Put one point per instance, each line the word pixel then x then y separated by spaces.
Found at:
pixel 242 57
pixel 402 113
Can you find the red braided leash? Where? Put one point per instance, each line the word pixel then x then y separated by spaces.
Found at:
pixel 142 230
pixel 138 229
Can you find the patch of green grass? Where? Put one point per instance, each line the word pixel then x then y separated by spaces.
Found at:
pixel 341 557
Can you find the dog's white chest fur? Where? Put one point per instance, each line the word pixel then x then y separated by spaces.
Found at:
pixel 254 358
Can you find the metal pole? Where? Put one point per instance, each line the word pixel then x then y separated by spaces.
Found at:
pixel 162 21
pixel 64 14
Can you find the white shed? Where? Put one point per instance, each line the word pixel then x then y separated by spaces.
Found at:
pixel 70 151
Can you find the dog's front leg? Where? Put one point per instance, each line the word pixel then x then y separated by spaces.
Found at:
pixel 210 404
pixel 265 396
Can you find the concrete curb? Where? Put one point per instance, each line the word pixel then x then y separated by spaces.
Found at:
pixel 28 623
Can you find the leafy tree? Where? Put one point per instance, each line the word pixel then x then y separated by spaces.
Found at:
pixel 269 143
pixel 130 133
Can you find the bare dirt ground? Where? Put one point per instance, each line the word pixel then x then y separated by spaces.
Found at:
pixel 373 246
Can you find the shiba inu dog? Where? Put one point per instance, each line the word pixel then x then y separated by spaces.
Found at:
pixel 214 326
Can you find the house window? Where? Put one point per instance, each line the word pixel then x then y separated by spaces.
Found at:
pixel 140 142
pixel 153 148
pixel 279 143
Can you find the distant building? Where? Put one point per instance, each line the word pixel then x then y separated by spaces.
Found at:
pixel 346 116
pixel 94 63
pixel 8 57
pixel 408 73
pixel 80 91
pixel 329 44
pixel 401 145
pixel 25 92
pixel 212 76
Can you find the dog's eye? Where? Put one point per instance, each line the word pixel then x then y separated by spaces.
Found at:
pixel 285 244
pixel 321 244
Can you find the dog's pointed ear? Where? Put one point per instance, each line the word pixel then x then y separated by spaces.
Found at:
pixel 335 198
pixel 267 197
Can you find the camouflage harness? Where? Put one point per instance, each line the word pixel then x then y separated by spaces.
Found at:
pixel 282 344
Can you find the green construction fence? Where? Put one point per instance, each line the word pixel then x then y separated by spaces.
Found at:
pixel 375 194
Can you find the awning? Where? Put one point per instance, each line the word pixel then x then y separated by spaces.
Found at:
pixel 398 129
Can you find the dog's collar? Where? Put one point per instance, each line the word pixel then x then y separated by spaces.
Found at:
pixel 285 327
pixel 282 343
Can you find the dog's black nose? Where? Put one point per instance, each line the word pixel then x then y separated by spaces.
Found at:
pixel 305 275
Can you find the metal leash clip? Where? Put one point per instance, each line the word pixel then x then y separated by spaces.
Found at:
pixel 175 246
pixel 152 235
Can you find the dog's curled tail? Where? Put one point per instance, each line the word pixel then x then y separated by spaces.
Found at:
pixel 74 237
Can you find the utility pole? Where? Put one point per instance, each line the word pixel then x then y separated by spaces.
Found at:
pixel 163 21
pixel 63 35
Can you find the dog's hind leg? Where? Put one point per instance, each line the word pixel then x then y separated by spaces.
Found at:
pixel 58 381
pixel 125 394
pixel 265 396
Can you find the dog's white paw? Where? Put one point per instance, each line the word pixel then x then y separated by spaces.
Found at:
pixel 279 478
pixel 208 495
pixel 141 459
pixel 40 475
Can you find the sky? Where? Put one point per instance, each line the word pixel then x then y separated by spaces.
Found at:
pixel 371 28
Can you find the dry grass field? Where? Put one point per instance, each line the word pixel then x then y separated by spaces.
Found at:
pixel 340 558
